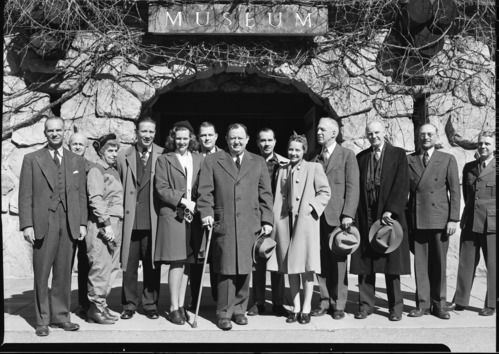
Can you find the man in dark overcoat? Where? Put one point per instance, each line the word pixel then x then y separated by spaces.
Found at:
pixel 342 173
pixel 136 166
pixel 478 224
pixel 433 214
pixel 235 199
pixel 384 188
pixel 52 216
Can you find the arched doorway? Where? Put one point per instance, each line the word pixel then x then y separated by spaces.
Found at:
pixel 229 98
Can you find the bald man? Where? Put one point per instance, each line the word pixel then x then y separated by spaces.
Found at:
pixel 78 144
pixel 433 209
pixel 384 187
pixel 342 173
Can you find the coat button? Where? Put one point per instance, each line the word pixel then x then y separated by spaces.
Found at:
pixel 127 212
pixel 431 192
pixel 131 192
pixel 238 214
pixel 476 198
pixel 297 198
pixel 297 181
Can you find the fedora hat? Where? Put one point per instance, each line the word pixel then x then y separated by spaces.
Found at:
pixel 344 242
pixel 385 238
pixel 263 248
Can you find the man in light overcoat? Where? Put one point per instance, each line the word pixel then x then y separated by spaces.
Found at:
pixel 342 172
pixel 52 216
pixel 384 187
pixel 433 214
pixel 136 166
pixel 235 199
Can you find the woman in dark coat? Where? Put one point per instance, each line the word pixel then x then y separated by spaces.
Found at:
pixel 179 228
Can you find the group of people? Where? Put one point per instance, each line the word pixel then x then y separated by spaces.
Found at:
pixel 158 205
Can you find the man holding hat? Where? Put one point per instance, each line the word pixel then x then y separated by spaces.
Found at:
pixel 384 245
pixel 433 218
pixel 342 173
pixel 136 166
pixel 235 199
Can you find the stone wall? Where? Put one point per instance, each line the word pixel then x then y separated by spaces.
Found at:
pixel 460 101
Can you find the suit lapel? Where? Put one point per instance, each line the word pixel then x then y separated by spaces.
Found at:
pixel 491 168
pixel 69 165
pixel 435 160
pixel 416 165
pixel 246 164
pixel 196 164
pixel 172 158
pixel 132 162
pixel 44 161
pixel 156 152
pixel 225 161
pixel 335 155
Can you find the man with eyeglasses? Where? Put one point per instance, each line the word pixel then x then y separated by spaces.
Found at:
pixel 433 209
pixel 235 199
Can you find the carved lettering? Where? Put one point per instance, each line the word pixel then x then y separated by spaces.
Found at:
pixel 224 15
pixel 270 19
pixel 178 17
pixel 307 19
pixel 249 19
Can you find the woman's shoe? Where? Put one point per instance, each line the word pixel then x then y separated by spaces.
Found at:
pixel 184 314
pixel 176 317
pixel 95 316
pixel 304 318
pixel 109 315
pixel 292 317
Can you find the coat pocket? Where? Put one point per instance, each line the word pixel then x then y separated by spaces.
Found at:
pixel 219 225
pixel 491 220
pixel 491 190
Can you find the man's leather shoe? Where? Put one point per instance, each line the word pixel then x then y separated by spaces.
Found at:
pixel 127 314
pixel 176 318
pixel 395 317
pixel 304 318
pixel 338 314
pixel 452 306
pixel 440 313
pixel 95 316
pixel 256 309
pixel 81 311
pixel 417 312
pixel 224 323
pixel 42 331
pixel 361 315
pixel 110 315
pixel 292 317
pixel 67 326
pixel 240 319
pixel 152 314
pixel 319 311
pixel 487 311
pixel 184 314
pixel 280 310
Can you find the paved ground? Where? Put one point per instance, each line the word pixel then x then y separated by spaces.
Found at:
pixel 465 332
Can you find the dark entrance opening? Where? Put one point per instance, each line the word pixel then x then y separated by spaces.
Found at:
pixel 282 112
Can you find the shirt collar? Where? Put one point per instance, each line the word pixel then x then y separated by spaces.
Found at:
pixel 488 160
pixel 429 151
pixel 272 157
pixel 330 149
pixel 60 151
pixel 234 158
pixel 103 163
pixel 381 147
pixel 141 149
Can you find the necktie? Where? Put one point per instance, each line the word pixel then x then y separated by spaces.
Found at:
pixel 238 163
pixel 56 158
pixel 325 155
pixel 482 167
pixel 426 159
pixel 377 154
pixel 144 157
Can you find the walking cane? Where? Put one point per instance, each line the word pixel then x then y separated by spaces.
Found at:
pixel 194 323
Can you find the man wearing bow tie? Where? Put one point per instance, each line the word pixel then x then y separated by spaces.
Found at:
pixel 478 224
pixel 343 176
pixel 136 166
pixel 235 199
pixel 432 219
pixel 53 215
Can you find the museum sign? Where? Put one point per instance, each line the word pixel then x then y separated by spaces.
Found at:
pixel 230 19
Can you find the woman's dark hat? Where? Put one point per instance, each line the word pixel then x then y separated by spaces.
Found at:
pixel 100 142
pixel 263 248
pixel 344 242
pixel 385 238
pixel 185 124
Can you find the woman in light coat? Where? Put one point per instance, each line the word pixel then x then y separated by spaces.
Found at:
pixel 179 227
pixel 302 193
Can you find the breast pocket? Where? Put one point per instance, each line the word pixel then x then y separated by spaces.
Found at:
pixel 491 190
pixel 491 220
pixel 219 224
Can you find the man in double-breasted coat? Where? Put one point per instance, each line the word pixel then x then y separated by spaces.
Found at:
pixel 433 219
pixel 136 166
pixel 342 173
pixel 478 224
pixel 235 198
pixel 52 216
pixel 384 187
